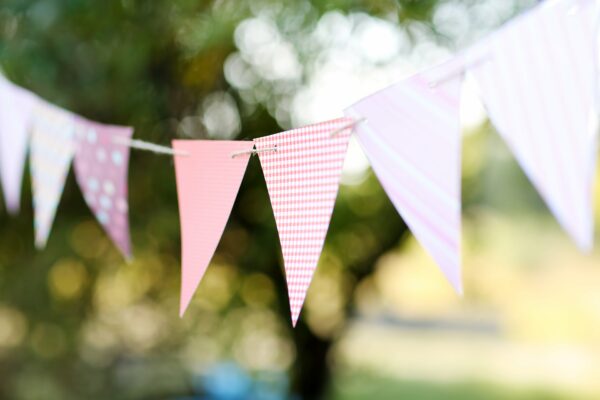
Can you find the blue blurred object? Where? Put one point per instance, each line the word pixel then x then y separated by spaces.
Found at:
pixel 228 381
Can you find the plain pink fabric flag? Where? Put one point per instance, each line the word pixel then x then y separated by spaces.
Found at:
pixel 412 138
pixel 539 87
pixel 101 168
pixel 208 180
pixel 302 179
pixel 16 105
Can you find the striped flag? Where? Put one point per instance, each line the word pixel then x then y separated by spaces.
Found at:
pixel 412 139
pixel 539 88
pixel 302 179
pixel 52 149
pixel 16 105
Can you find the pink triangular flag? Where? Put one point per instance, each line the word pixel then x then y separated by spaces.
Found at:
pixel 208 180
pixel 412 138
pixel 52 149
pixel 16 105
pixel 101 168
pixel 539 87
pixel 302 178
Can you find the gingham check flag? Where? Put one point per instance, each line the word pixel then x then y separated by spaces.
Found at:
pixel 302 179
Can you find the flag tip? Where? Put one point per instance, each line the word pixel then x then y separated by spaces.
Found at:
pixel 295 320
pixel 457 284
pixel 585 243
pixel 40 244
pixel 183 305
pixel 460 292
pixel 458 287
pixel 13 211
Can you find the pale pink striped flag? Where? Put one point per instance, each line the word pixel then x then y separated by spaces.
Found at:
pixel 208 180
pixel 539 89
pixel 51 153
pixel 302 179
pixel 101 166
pixel 16 106
pixel 412 138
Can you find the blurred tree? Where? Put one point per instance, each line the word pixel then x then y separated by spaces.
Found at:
pixel 75 322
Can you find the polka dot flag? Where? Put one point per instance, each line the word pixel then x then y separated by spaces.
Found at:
pixel 302 179
pixel 101 169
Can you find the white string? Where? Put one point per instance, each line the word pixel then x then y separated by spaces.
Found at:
pixel 155 148
pixel 453 74
pixel 254 151
pixel 350 125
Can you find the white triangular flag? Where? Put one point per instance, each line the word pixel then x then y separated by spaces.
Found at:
pixel 539 88
pixel 412 138
pixel 16 106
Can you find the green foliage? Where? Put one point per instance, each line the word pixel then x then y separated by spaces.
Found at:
pixel 76 321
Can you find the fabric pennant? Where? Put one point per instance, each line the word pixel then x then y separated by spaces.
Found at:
pixel 302 178
pixel 412 138
pixel 16 106
pixel 208 180
pixel 52 149
pixel 101 168
pixel 539 88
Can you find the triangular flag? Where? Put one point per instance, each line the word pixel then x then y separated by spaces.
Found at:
pixel 16 105
pixel 101 167
pixel 539 87
pixel 209 175
pixel 412 138
pixel 52 150
pixel 302 168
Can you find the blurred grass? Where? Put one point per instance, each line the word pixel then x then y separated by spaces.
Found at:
pixel 360 385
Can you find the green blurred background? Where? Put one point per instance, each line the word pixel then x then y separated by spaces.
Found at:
pixel 380 322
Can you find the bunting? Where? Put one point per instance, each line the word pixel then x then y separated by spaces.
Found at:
pixel 208 179
pixel 538 77
pixel 101 167
pixel 412 139
pixel 302 178
pixel 16 105
pixel 52 150
pixel 539 88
